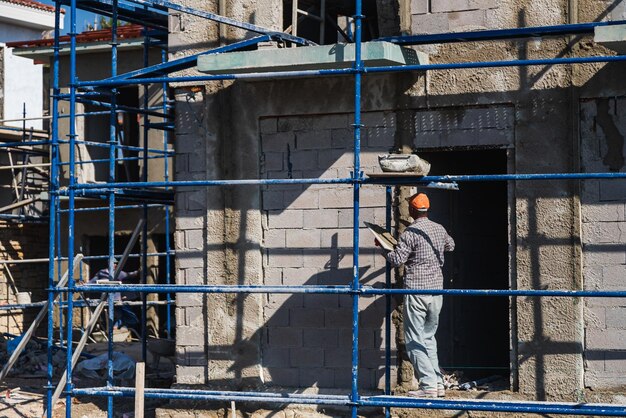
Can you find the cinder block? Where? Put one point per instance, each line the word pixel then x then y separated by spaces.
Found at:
pixel 274 238
pixel 285 337
pixel 320 377
pixel 342 138
pixel 336 198
pixel 613 276
pixel 273 161
pixel 301 199
pixel 276 317
pixel 283 376
pixel 194 238
pixel 483 4
pixel 379 137
pixel 459 20
pixel 291 218
pixel 303 160
pixel 320 338
pixel 593 257
pixel 496 137
pixel 616 318
pixel 306 317
pixel 429 139
pixel 300 276
pixel 337 158
pixel 190 336
pixel 419 7
pixel 615 361
pixel 612 190
pixel 273 276
pixel 373 197
pixel 189 260
pixel 191 375
pixel 449 5
pixel 378 119
pixel 595 317
pixel 336 238
pixel 283 257
pixel 429 23
pixel 272 200
pixel 195 276
pixel 194 357
pixel 338 357
pixel 603 232
pixel 279 301
pixel 268 125
pixel 321 301
pixel 603 212
pixel 320 259
pixel 274 357
pixel 609 339
pixel 278 142
pixel 371 358
pixel 308 140
pixel 306 357
pixel 196 163
pixel 321 218
pixel 303 238
pixel 338 318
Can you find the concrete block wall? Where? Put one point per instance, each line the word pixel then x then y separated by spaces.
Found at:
pixel 603 122
pixel 452 15
pixel 18 242
pixel 307 240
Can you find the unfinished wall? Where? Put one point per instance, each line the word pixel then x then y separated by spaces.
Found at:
pixel 18 242
pixel 534 110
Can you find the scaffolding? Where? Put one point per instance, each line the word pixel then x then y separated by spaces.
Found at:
pixel 152 14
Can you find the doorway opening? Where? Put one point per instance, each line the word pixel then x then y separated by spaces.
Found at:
pixel 474 332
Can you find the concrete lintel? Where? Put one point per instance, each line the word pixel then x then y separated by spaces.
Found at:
pixel 612 37
pixel 375 54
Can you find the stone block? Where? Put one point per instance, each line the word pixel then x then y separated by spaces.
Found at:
pixel 274 238
pixel 613 190
pixel 615 361
pixel 274 357
pixel 190 259
pixel 279 301
pixel 306 357
pixel 338 357
pixel 285 337
pixel 273 276
pixel 189 336
pixel 372 358
pixel 603 232
pixel 342 138
pixel 278 142
pixel 272 200
pixel 338 318
pixel 427 139
pixel 283 376
pixel 595 256
pixel 337 158
pixel 320 338
pixel 276 317
pixel 419 7
pixel 613 277
pixel 301 199
pixel 306 317
pixel 595 317
pixel 321 301
pixel 320 377
pixel 291 218
pixel 268 125
pixel 320 259
pixel 373 197
pixel 462 19
pixel 283 257
pixel 300 276
pixel 496 137
pixel 378 137
pixel 188 299
pixel 321 218
pixel 483 4
pixel 449 6
pixel 309 140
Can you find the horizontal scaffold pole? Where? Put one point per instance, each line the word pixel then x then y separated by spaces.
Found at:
pixel 364 290
pixel 99 187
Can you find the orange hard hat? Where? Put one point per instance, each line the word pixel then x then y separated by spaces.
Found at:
pixel 420 202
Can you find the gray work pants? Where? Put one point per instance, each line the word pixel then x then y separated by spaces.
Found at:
pixel 421 318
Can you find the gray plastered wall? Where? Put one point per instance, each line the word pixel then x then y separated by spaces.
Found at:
pixel 226 235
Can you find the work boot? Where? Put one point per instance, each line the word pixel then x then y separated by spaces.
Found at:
pixel 423 393
pixel 441 391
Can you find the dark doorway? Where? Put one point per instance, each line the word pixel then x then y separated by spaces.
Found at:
pixel 474 334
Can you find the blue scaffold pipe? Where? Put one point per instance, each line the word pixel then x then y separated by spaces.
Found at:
pixel 131 391
pixel 101 161
pixel 127 109
pixel 177 288
pixel 124 147
pixel 23 143
pixel 350 180
pixel 14 306
pixel 388 203
pixel 530 407
pixel 500 34
pixel 366 290
pixel 118 207
pixel 372 70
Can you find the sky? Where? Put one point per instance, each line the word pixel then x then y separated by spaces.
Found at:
pixel 82 18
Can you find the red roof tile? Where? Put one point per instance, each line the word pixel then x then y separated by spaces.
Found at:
pixel 33 4
pixel 123 32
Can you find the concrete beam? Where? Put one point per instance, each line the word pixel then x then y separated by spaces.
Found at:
pixel 374 54
pixel 612 37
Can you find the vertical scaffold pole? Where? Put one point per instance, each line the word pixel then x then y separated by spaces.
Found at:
pixel 388 200
pixel 165 107
pixel 53 186
pixel 111 178
pixel 144 178
pixel 71 206
pixel 356 174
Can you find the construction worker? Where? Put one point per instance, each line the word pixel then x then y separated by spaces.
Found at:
pixel 421 249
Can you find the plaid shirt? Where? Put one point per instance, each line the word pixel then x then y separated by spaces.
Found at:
pixel 420 248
